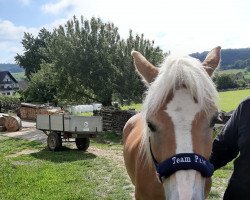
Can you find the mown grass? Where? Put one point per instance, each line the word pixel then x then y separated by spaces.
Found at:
pixel 136 107
pixel 220 180
pixel 68 174
pixel 72 174
pixel 247 76
pixel 230 99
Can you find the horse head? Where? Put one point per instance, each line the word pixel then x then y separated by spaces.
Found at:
pixel 173 133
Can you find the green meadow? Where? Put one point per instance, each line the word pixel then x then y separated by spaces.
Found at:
pixel 29 171
pixel 228 100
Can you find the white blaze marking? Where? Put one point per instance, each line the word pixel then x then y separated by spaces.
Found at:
pixel 182 110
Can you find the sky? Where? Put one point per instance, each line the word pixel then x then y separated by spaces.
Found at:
pixel 181 26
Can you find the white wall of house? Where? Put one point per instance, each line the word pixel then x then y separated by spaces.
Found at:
pixel 8 86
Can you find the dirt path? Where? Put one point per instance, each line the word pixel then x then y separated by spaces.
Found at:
pixel 28 132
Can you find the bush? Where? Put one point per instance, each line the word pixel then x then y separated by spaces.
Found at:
pixel 224 81
pixel 9 103
pixel 241 83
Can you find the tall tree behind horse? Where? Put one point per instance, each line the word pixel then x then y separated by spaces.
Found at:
pixel 167 145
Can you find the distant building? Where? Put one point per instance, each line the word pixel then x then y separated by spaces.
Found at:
pixel 8 84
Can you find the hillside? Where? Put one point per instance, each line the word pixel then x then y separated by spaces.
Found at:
pixel 228 56
pixel 12 68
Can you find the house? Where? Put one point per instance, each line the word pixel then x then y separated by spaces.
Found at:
pixel 8 84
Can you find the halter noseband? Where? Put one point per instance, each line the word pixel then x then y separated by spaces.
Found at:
pixel 182 161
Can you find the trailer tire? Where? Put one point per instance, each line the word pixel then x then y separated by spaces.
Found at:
pixel 54 141
pixel 82 143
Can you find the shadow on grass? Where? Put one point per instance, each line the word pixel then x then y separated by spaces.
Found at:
pixel 64 155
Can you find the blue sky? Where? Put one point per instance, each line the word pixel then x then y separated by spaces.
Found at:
pixel 177 25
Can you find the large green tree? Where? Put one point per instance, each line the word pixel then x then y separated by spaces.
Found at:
pixel 43 85
pixel 91 61
pixel 34 51
pixel 85 52
pixel 129 86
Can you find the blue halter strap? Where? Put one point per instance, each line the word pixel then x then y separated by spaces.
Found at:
pixel 182 161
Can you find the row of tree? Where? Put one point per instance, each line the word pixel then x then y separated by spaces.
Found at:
pixel 240 64
pixel 225 81
pixel 231 58
pixel 84 61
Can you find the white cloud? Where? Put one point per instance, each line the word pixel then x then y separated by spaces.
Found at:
pixel 25 2
pixel 10 32
pixel 183 26
pixel 180 26
pixel 59 7
pixel 9 50
pixel 10 40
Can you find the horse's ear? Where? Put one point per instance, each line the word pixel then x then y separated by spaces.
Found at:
pixel 212 60
pixel 144 67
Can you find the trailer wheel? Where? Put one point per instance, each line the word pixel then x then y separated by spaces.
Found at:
pixel 82 143
pixel 54 141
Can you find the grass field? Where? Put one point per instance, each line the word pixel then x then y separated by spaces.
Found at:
pixel 228 100
pixel 29 171
pixel 247 76
pixel 98 174
pixel 65 175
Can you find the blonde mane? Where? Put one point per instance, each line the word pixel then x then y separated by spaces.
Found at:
pixel 175 73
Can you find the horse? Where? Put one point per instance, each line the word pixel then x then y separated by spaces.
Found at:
pixel 167 145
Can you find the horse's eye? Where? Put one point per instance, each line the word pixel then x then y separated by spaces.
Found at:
pixel 151 126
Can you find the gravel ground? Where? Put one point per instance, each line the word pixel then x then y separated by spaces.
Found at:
pixel 28 132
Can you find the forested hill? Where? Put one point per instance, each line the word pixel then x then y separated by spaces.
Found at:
pixel 229 57
pixel 13 68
